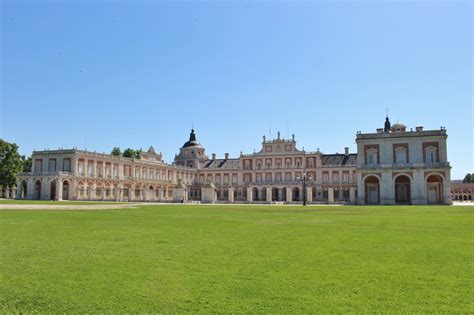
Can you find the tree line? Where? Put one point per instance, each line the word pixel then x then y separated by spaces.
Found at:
pixel 129 153
pixel 469 178
pixel 12 163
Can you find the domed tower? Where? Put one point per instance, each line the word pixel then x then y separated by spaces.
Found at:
pixel 192 153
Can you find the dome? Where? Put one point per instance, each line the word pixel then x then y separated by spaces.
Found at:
pixel 398 127
pixel 192 141
pixel 192 144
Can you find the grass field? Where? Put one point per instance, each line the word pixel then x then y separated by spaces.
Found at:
pixel 239 259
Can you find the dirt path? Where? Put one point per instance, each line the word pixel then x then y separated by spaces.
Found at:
pixel 66 207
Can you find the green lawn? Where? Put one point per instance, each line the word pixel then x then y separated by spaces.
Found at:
pixel 239 259
pixel 51 202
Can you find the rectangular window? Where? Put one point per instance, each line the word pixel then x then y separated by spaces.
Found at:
pixel 38 165
pixel 52 165
pixel 66 165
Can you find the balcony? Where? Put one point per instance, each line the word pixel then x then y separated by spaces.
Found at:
pixel 404 166
pixel 54 173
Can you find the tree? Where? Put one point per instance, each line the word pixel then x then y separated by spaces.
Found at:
pixel 469 178
pixel 131 153
pixel 26 164
pixel 116 151
pixel 10 163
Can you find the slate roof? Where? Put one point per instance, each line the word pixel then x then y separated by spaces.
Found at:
pixel 222 164
pixel 339 159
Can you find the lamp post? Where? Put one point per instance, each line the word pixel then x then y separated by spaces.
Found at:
pixel 304 188
pixel 304 179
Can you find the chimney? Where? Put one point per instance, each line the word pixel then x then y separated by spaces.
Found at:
pixel 419 128
pixel 213 156
pixel 346 151
pixel 226 156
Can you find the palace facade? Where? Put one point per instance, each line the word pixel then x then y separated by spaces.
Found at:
pixel 391 166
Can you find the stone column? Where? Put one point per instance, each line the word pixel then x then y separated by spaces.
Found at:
pixel 74 166
pixel 7 192
pixel 288 194
pixel 94 171
pixel 103 193
pixel 352 195
pixel 447 198
pixel 73 190
pixel 387 189
pixel 269 194
pixel 85 192
pixel 230 197
pixel 249 194
pixel 309 194
pixel 45 189
pixel 208 193
pixel 418 189
pixel 160 194
pixel 30 189
pixel 94 191
pixel 179 192
pixel 330 195
pixel 118 193
pixel 18 190
pixel 59 190
pixel 360 189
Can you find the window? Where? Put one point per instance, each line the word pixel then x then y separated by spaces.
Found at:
pixel 66 165
pixel 400 155
pixel 325 177
pixel 278 177
pixel 247 178
pixel 38 165
pixel 345 177
pixel 431 155
pixel 372 156
pixel 52 165
pixel 246 164
pixel 268 177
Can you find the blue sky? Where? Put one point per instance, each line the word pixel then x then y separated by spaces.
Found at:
pixel 135 74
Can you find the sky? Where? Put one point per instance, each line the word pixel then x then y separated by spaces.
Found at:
pixel 100 74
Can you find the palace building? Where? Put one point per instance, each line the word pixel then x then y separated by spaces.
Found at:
pixel 391 166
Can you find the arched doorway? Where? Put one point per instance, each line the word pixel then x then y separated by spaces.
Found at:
pixel 52 191
pixel 372 190
pixel 295 194
pixel 255 195
pixel 37 194
pixel 275 194
pixel 23 189
pixel 65 190
pixel 402 190
pixel 434 187
pixel 150 195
